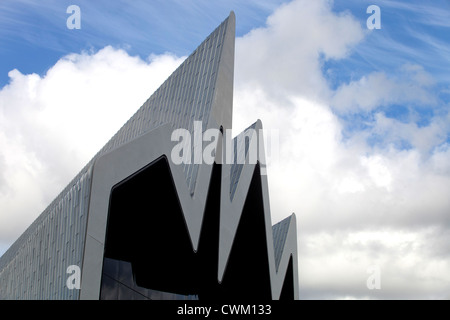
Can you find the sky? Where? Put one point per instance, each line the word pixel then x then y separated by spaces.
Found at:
pixel 362 115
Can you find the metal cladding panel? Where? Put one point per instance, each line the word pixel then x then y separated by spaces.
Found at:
pixel 280 232
pixel 35 267
pixel 241 146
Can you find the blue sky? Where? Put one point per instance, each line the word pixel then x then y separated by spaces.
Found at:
pixel 363 115
pixel 34 33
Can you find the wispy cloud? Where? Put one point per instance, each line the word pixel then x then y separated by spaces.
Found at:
pixel 145 26
pixel 433 13
pixel 409 86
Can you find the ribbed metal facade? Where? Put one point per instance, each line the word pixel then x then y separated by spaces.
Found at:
pixel 240 147
pixel 280 231
pixel 35 267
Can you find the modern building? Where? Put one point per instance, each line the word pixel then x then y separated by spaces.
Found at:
pixel 139 225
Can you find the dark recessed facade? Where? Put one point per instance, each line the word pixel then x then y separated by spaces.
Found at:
pixel 139 226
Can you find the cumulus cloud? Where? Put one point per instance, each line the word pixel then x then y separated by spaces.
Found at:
pixel 409 86
pixel 359 202
pixel 52 125
pixel 291 48
pixel 356 205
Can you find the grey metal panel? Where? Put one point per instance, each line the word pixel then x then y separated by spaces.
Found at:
pixel 231 209
pixel 240 146
pixel 280 232
pixel 35 265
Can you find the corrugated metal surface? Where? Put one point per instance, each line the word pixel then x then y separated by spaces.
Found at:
pixel 280 231
pixel 35 266
pixel 241 145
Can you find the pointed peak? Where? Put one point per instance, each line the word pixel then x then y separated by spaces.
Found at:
pixel 232 16
pixel 280 231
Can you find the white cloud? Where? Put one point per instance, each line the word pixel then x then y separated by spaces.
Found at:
pixel 290 48
pixel 357 204
pixel 407 270
pixel 378 89
pixel 53 125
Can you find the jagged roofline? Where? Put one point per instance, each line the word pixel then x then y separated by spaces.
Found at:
pixel 220 111
pixel 109 171
pixel 122 162
pixel 234 208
